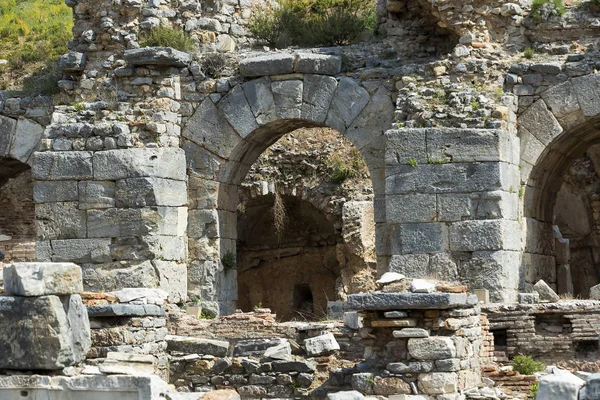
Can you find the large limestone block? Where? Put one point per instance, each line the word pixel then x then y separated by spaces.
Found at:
pixel 439 382
pixel 591 391
pixel 164 56
pixel 409 301
pixel 317 94
pixel 563 386
pixel 540 121
pixel 237 111
pixel 323 64
pixel 587 89
pixel 26 139
pixel 38 279
pixel 62 165
pixel 141 192
pixel 166 163
pixel 267 64
pixel 546 292
pixel 261 100
pixel 431 348
pixel 7 130
pixel 348 101
pixel 485 235
pixel 43 332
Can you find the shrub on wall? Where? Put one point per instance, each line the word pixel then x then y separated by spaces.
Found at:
pixel 313 22
pixel 167 36
pixel 544 9
pixel 526 365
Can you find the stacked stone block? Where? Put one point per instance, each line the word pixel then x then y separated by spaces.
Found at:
pixel 45 325
pixel 452 207
pixel 424 343
pixel 121 214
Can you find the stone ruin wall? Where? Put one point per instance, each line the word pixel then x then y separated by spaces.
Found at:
pixel 135 109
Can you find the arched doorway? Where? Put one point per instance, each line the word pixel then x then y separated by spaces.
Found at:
pixel 223 139
pixel 558 137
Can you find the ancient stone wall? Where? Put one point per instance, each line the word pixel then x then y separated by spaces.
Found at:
pixel 17 220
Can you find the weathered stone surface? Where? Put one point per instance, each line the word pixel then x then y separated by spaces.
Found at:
pixel 191 345
pixel 50 166
pixel 38 279
pixel 172 278
pixel 55 191
pixel 421 238
pixel 540 122
pixel 561 99
pixel 562 386
pixel 282 351
pixel 60 221
pixel 268 64
pixel 347 395
pixel 44 332
pixel 255 347
pixel 164 56
pixel 118 275
pixel 288 98
pixel 390 386
pixel 26 139
pixel 410 367
pixel 7 127
pixel 546 293
pixel 411 208
pixel 141 296
pixel 321 344
pixel 422 286
pixel 125 310
pixel 322 64
pixel 166 163
pixel 587 89
pixel 98 194
pixel 529 298
pixel 363 382
pixel 389 277
pixel 467 145
pixel 317 96
pixel 72 61
pixel 237 111
pixel 261 101
pixel 497 271
pixel 411 265
pixel 431 348
pixel 411 333
pixel 408 301
pixel 81 250
pixel 485 235
pixel 439 382
pixel 592 388
pixel 209 128
pixel 348 101
pixel 142 192
pixel 289 366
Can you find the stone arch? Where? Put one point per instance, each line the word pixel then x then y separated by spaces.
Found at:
pixel 19 138
pixel 554 131
pixel 226 135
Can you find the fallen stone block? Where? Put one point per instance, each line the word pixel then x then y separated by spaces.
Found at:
pixel 389 277
pixel 321 344
pixel 352 320
pixel 546 293
pixel 591 391
pixel 46 332
pixel 422 286
pixel 39 279
pixel 563 386
pixel 282 351
pixel 192 345
pixel 529 298
pixel 128 363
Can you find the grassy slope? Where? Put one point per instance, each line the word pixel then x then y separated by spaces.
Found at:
pixel 32 32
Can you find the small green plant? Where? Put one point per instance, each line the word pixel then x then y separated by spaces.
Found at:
pixel 529 52
pixel 521 192
pixel 258 306
pixel 526 365
pixel 341 169
pixel 400 125
pixel 533 390
pixel 511 189
pixel 312 22
pixel 475 105
pixel 167 36
pixel 543 9
pixel 229 261
pixel 206 315
pixel 436 161
pixel 78 106
pixel 413 162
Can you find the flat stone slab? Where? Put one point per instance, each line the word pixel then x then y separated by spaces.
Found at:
pixel 288 63
pixel 321 344
pixel 192 345
pixel 253 347
pixel 409 301
pixel 293 366
pixel 39 279
pixel 125 310
pixel 164 56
